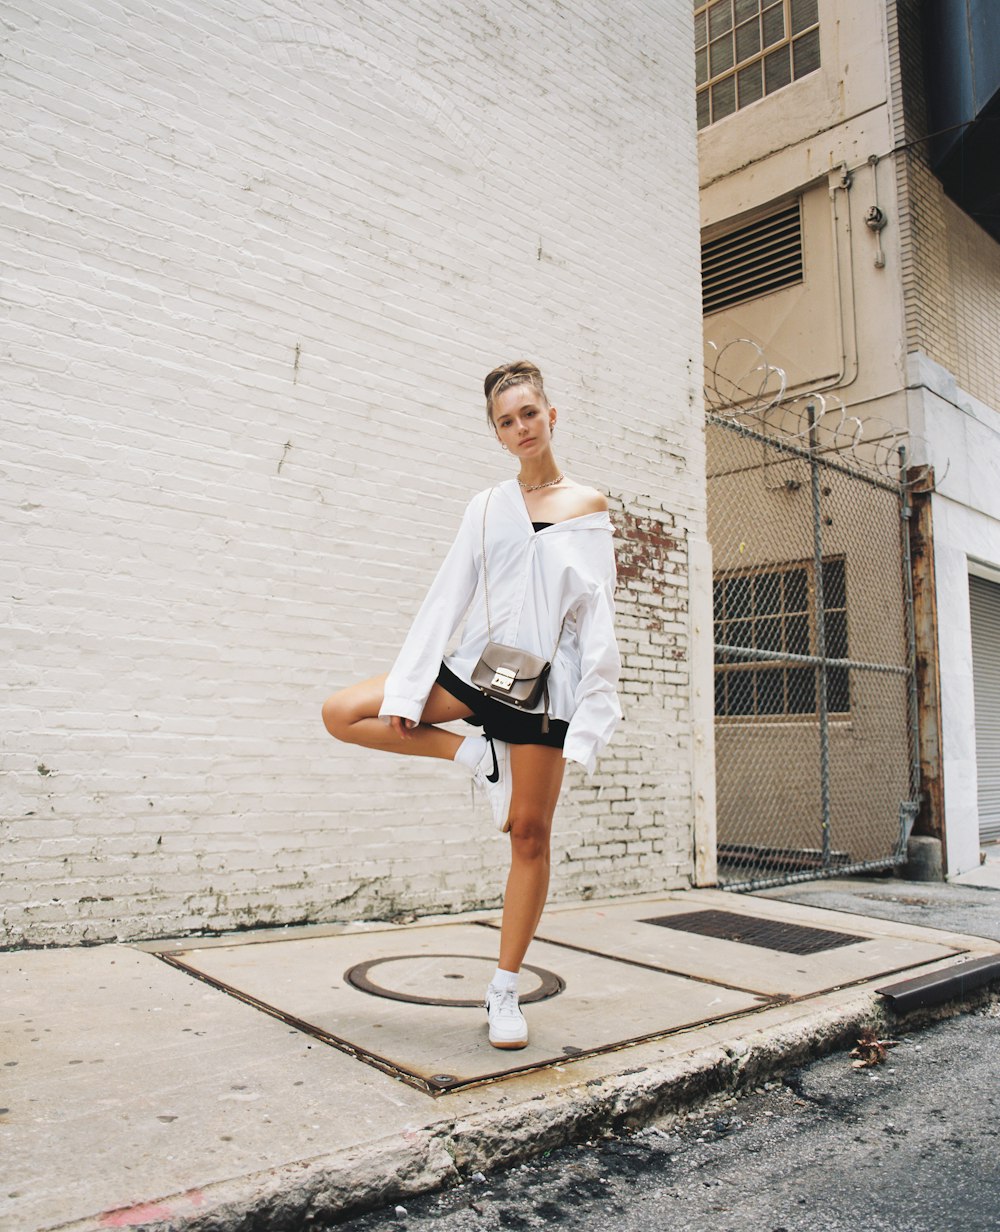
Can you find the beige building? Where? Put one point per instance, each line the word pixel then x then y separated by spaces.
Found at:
pixel 848 247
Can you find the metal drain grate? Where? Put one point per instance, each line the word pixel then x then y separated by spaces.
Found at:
pixel 751 930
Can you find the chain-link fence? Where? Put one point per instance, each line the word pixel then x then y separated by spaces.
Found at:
pixel 815 705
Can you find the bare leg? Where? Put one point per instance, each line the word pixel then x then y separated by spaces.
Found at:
pixel 352 716
pixel 537 773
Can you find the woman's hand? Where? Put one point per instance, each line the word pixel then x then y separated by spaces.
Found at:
pixel 402 727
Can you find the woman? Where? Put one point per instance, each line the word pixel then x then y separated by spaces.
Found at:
pixel 550 576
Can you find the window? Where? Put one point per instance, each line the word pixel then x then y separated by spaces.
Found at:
pixel 762 256
pixel 775 611
pixel 745 49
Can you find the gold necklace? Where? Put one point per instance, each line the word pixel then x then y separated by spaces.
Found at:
pixel 535 486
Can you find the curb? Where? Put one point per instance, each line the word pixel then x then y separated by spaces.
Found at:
pixel 328 1188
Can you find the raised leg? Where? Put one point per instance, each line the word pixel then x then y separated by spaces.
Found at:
pixel 352 716
pixel 537 774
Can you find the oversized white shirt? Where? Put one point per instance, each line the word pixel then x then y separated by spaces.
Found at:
pixel 536 578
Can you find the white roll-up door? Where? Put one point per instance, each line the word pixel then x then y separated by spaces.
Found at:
pixel 984 600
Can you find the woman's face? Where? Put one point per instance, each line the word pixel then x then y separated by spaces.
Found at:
pixel 522 421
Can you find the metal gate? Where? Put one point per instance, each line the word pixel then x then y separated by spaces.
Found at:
pixel 817 770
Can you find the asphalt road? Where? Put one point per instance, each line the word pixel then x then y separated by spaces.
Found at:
pixel 909 1145
pixel 955 908
pixel 912 1145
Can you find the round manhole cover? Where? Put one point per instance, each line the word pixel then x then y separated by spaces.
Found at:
pixel 445 979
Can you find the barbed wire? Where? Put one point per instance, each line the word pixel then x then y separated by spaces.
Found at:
pixel 741 385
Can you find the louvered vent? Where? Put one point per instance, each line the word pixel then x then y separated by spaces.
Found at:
pixel 761 257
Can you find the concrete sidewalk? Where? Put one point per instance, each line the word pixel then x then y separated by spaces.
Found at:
pixel 274 1077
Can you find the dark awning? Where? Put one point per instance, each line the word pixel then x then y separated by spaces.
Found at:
pixel 962 67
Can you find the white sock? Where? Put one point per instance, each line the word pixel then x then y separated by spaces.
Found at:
pixel 471 751
pixel 504 979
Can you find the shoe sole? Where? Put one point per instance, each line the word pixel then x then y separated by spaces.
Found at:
pixel 510 1044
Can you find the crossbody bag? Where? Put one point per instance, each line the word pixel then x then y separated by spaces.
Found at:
pixel 515 677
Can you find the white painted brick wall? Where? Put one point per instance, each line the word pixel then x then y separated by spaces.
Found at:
pixel 257 258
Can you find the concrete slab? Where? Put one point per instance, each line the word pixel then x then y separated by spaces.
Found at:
pixel 443 1047
pixel 986 876
pixel 123 1080
pixel 621 930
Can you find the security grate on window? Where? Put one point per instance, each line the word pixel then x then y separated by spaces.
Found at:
pixel 762 614
pixel 763 256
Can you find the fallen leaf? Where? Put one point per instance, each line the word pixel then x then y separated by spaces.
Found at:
pixel 871 1050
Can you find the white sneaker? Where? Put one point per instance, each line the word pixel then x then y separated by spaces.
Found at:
pixel 492 777
pixel 507 1026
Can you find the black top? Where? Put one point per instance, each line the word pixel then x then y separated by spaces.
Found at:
pixel 540 525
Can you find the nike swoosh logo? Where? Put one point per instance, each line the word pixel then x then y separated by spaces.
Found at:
pixel 495 776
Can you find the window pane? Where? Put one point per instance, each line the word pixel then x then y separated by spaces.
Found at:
pixel 720 18
pixel 750 84
pixel 805 51
pixel 701 66
pixel 740 691
pixel 704 119
pixel 796 593
pixel 797 634
pixel 773 22
pixel 771 691
pixel 801 690
pixel 777 70
pixel 804 13
pixel 769 633
pixel 834 593
pixel 835 625
pixel 767 594
pixel 721 55
pixel 747 40
pixel 738 596
pixel 838 692
pixel 700 30
pixel 746 9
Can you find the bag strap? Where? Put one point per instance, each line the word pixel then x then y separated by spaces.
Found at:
pixel 486 590
pixel 486 580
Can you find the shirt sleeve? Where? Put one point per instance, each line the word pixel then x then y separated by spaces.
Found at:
pixel 597 710
pixel 419 661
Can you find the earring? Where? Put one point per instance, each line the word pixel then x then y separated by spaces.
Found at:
pixel 504 447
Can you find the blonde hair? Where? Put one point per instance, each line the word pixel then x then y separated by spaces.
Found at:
pixel 518 372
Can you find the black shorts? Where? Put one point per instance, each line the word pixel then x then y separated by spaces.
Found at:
pixel 500 721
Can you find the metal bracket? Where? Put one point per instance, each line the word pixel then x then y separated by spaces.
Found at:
pixel 908 810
